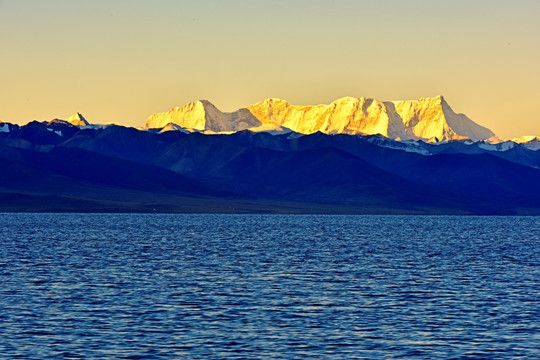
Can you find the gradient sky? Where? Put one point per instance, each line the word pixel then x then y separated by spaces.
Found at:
pixel 121 60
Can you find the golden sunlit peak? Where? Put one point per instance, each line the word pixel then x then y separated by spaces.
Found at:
pixel 426 118
pixel 78 120
pixel 440 98
pixel 526 139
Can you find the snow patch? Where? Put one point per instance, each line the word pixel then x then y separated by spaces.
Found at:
pixel 533 147
pixel 4 128
pixel 94 126
pixel 407 146
pixel 488 147
pixel 59 133
pixel 173 127
pixel 505 146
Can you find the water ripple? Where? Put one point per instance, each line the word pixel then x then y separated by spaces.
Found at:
pixel 250 287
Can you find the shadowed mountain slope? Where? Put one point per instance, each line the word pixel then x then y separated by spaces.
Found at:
pixel 123 169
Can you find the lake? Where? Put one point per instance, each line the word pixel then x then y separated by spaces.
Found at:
pixel 142 286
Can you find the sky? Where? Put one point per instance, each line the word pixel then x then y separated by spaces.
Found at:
pixel 122 60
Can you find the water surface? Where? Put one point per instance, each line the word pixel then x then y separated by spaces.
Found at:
pixel 263 286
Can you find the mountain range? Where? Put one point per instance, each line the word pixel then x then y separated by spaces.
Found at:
pixel 429 119
pixel 352 156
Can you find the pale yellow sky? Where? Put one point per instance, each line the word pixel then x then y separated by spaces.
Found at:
pixel 119 61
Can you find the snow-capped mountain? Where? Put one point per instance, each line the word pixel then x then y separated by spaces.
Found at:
pixel 78 120
pixel 530 142
pixel 204 116
pixel 429 119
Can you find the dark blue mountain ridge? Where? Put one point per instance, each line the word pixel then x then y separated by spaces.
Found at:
pixel 116 168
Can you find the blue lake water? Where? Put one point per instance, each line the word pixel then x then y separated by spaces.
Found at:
pixel 262 286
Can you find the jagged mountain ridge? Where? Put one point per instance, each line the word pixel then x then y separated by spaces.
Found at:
pixel 425 119
pixel 121 168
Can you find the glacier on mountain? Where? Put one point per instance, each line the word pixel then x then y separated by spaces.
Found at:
pixel 428 119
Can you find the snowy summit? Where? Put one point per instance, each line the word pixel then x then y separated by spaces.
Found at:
pixel 428 119
pixel 78 120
